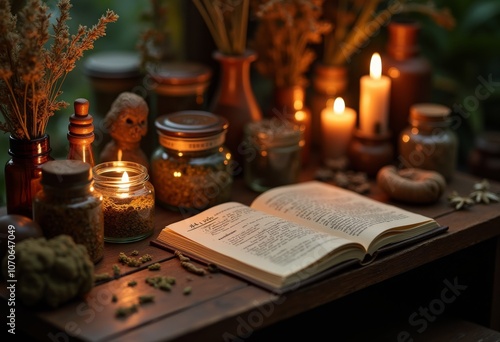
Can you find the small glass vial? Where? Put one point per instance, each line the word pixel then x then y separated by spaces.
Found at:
pixel 429 143
pixel 276 153
pixel 191 169
pixel 128 200
pixel 81 133
pixel 69 204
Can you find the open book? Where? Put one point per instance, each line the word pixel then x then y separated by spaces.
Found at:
pixel 294 233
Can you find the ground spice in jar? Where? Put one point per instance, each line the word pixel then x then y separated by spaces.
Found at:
pixel 68 204
pixel 191 169
pixel 128 201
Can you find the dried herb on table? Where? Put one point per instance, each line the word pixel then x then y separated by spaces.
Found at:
pixel 161 282
pixel 116 270
pixel 482 193
pixel 460 202
pixel 154 267
pixel 123 312
pixel 187 290
pixel 146 299
pixel 101 277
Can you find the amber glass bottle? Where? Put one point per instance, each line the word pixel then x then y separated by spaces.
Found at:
pixel 409 70
pixel 81 133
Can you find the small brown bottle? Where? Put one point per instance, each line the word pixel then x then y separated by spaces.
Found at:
pixel 410 73
pixel 81 133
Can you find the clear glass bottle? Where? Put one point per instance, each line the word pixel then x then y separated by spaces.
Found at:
pixel 69 204
pixel 429 142
pixel 273 150
pixel 191 169
pixel 128 200
pixel 81 133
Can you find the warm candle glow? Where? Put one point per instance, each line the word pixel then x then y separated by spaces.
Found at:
pixel 124 187
pixel 376 66
pixel 337 125
pixel 338 105
pixel 300 116
pixel 374 100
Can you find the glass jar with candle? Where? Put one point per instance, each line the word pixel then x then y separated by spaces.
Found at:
pixel 275 157
pixel 69 204
pixel 429 143
pixel 191 169
pixel 128 200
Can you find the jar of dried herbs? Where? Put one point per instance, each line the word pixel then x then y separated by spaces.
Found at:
pixel 273 157
pixel 128 200
pixel 429 142
pixel 191 169
pixel 69 204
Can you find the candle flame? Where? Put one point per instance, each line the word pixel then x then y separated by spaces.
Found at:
pixel 124 187
pixel 125 178
pixel 376 66
pixel 338 105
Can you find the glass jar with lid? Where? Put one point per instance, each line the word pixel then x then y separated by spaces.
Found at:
pixel 191 169
pixel 128 200
pixel 69 204
pixel 178 86
pixel 273 153
pixel 429 142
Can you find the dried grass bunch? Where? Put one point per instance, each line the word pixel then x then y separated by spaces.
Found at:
pixel 227 21
pixel 285 30
pixel 31 72
pixel 356 21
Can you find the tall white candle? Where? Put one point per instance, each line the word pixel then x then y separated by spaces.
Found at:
pixel 337 123
pixel 374 100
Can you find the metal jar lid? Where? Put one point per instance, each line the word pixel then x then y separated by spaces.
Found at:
pixel 191 130
pixel 179 73
pixel 113 65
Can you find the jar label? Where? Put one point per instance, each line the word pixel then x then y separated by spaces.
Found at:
pixel 190 145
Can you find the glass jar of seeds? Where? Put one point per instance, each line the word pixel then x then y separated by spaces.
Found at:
pixel 69 204
pixel 191 169
pixel 429 141
pixel 128 200
pixel 276 159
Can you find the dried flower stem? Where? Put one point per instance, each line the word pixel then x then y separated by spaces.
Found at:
pixel 282 38
pixel 350 35
pixel 227 22
pixel 32 75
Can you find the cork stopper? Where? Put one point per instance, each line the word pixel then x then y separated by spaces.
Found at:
pixel 63 173
pixel 403 39
pixel 81 128
pixel 429 112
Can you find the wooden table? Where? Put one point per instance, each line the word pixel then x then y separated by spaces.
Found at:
pixel 385 294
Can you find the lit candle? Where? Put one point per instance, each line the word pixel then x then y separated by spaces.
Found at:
pixel 374 100
pixel 337 123
pixel 128 200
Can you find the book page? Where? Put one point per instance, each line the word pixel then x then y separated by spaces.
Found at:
pixel 336 210
pixel 234 231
